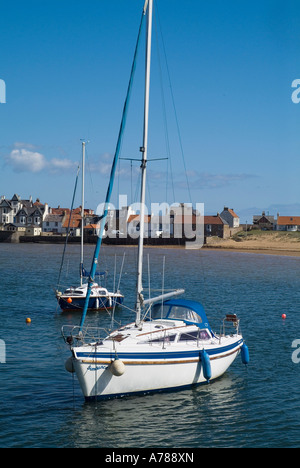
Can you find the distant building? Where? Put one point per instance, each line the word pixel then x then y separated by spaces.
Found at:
pixel 59 220
pixel 230 217
pixel 288 223
pixel 9 208
pixel 53 223
pixel 72 224
pixel 215 226
pixel 22 213
pixel 264 221
pixel 91 230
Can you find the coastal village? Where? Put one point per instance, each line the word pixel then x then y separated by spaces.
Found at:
pixel 25 220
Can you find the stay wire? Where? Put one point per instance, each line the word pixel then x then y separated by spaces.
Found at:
pixel 175 111
pixel 68 230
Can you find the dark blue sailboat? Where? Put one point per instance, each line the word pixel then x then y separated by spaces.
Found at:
pixel 99 298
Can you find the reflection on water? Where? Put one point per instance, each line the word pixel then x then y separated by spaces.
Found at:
pixel 176 419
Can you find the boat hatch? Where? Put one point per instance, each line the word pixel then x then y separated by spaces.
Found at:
pixel 119 337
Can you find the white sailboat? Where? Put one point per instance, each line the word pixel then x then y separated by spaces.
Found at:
pixel 73 298
pixel 170 345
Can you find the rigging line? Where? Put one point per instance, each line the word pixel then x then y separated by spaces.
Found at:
pixel 112 176
pixel 167 140
pixel 68 230
pixel 174 107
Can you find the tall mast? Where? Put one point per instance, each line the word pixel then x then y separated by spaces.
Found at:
pixel 111 181
pixel 144 151
pixel 82 211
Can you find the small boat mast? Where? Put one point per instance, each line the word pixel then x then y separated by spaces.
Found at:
pixel 82 212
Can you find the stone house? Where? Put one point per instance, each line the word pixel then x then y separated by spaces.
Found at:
pixel 230 217
pixel 22 213
pixel 53 223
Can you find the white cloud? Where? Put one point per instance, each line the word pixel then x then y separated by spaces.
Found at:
pixel 57 165
pixel 23 158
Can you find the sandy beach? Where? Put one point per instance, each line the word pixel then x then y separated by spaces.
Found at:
pixel 270 243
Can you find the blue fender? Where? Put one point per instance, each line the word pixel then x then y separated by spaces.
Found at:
pixel 245 354
pixel 205 365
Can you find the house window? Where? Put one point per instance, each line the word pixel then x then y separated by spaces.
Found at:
pixel 22 219
pixel 37 220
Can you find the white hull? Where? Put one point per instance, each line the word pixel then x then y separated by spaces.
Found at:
pixel 146 371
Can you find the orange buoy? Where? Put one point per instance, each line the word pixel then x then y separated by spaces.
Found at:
pixel 28 320
pixel 283 316
pixel 69 300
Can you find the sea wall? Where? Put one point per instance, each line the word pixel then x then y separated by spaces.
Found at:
pixel 10 237
pixel 93 240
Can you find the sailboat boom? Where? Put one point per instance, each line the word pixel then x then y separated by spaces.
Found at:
pixel 164 297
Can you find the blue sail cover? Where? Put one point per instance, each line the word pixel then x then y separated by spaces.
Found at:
pixel 190 312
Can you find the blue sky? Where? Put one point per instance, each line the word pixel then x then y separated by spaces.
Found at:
pixel 66 67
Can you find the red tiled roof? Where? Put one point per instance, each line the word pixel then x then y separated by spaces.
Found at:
pixel 137 218
pixel 91 226
pixel 233 213
pixel 60 211
pixel 213 220
pixel 75 221
pixel 288 221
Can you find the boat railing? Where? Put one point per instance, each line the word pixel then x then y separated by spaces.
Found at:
pixel 231 321
pixel 78 336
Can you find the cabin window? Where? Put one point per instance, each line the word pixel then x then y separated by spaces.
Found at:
pixel 194 336
pixel 182 313
pixel 160 311
pixel 164 339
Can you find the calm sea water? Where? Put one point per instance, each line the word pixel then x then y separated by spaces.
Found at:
pixel 41 405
